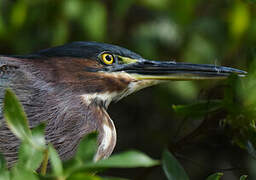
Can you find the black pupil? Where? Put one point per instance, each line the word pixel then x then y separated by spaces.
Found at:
pixel 108 58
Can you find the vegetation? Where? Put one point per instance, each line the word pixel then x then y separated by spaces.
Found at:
pixel 34 154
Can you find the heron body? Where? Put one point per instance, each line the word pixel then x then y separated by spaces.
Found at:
pixel 69 88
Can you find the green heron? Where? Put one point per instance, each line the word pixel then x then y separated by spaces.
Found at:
pixel 69 88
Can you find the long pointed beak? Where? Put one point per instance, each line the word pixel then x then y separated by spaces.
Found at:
pixel 157 70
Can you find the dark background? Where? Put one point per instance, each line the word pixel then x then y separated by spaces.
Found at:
pixel 221 32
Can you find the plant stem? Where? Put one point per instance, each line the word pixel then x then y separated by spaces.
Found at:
pixel 45 162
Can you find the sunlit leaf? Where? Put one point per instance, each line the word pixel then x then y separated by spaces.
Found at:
pixel 4 174
pixel 87 148
pixel 85 154
pixel 215 176
pixel 15 116
pixel 29 157
pixel 22 174
pixel 56 163
pixel 38 136
pixel 172 168
pixel 128 159
pixel 30 153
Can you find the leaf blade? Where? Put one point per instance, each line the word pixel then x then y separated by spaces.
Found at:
pixel 15 116
pixel 87 148
pixel 29 157
pixel 56 163
pixel 128 159
pixel 172 168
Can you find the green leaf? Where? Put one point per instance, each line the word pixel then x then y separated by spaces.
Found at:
pixel 37 138
pixel 22 174
pixel 198 109
pixel 215 176
pixel 2 162
pixel 56 163
pixel 128 159
pixel 15 116
pixel 17 121
pixel 29 157
pixel 4 175
pixel 30 152
pixel 87 148
pixel 243 177
pixel 172 168
pixel 85 154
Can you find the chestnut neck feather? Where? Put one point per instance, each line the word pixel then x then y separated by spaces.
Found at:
pixel 50 91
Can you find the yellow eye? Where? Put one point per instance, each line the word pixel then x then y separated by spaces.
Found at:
pixel 107 58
